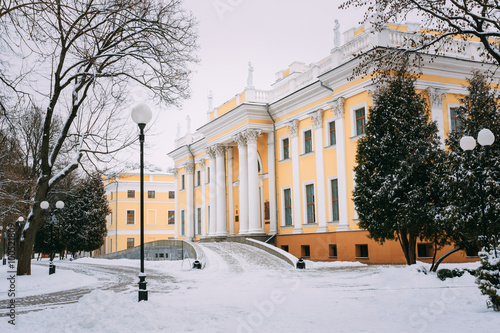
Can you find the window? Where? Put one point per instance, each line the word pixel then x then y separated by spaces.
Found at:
pixel 130 243
pixel 361 251
pixel 305 251
pixel 130 194
pixel 311 218
pixel 183 224
pixel 360 121
pixel 267 211
pixel 332 250
pixel 471 250
pixel 130 216
pixel 284 248
pixel 424 250
pixel 455 123
pixel 111 245
pixel 111 196
pixel 198 221
pixel 198 178
pixel 171 217
pixel 332 133
pixel 335 200
pixel 151 194
pixel 286 148
pixel 208 175
pixel 171 194
pixel 111 218
pixel 308 142
pixel 183 182
pixel 288 206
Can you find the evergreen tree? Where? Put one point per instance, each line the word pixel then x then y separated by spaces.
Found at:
pixel 397 172
pixel 85 217
pixel 474 182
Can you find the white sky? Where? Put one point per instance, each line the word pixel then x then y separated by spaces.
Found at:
pixel 269 33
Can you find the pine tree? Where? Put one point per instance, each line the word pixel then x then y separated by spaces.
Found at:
pixel 397 172
pixel 474 182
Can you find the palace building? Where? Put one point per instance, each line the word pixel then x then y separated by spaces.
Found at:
pixel 123 194
pixel 278 164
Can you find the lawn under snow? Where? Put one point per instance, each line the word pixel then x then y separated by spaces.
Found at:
pixel 233 294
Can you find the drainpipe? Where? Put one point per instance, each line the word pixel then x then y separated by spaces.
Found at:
pixel 116 215
pixel 275 169
pixel 326 87
pixel 194 204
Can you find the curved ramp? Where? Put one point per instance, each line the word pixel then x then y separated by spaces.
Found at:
pixel 238 257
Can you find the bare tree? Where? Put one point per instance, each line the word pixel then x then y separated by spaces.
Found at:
pixel 442 21
pixel 88 54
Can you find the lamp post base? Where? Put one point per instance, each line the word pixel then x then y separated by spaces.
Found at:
pixel 143 293
pixel 52 268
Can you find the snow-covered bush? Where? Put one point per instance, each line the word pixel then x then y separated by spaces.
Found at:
pixel 488 277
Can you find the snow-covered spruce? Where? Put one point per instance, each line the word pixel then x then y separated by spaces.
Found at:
pixel 488 277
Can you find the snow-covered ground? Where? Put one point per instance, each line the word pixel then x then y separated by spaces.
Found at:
pixel 246 290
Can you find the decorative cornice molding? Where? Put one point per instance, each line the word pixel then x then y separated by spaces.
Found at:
pixel 202 163
pixel 436 96
pixel 317 118
pixel 293 127
pixel 252 135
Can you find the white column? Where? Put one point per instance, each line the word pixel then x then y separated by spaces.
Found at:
pixel 254 219
pixel 272 183
pixel 212 227
pixel 221 191
pixel 240 138
pixel 203 199
pixel 317 118
pixel 189 200
pixel 293 127
pixel 230 189
pixel 175 171
pixel 338 109
pixel 436 98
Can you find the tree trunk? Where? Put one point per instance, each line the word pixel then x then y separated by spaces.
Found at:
pixel 408 243
pixel 444 256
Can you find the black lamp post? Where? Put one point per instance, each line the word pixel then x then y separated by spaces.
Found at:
pixel 485 138
pixel 141 114
pixel 52 220
pixel 4 235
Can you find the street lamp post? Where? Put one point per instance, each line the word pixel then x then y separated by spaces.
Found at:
pixel 141 115
pixel 4 234
pixel 52 220
pixel 485 138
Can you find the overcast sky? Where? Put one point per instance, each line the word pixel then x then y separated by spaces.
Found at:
pixel 269 33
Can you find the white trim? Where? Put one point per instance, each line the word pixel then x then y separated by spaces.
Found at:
pixel 126 216
pixel 304 202
pixel 329 196
pixel 303 140
pixel 450 106
pixel 147 217
pixel 327 132
pixel 282 153
pixel 137 231
pixel 352 111
pixel 283 216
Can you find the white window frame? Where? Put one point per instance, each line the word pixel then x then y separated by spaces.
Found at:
pixel 303 140
pixel 180 222
pixel 282 152
pixel 326 130
pixel 304 202
pixel 353 110
pixel 111 218
pixel 126 216
pixel 180 182
pixel 196 220
pixel 283 215
pixel 168 211
pixel 329 196
pixel 450 106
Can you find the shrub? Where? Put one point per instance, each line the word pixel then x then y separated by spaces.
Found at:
pixel 488 278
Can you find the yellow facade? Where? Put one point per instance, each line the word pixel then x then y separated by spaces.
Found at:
pixel 123 194
pixel 279 163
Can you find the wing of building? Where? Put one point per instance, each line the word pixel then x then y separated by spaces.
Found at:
pixel 278 164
